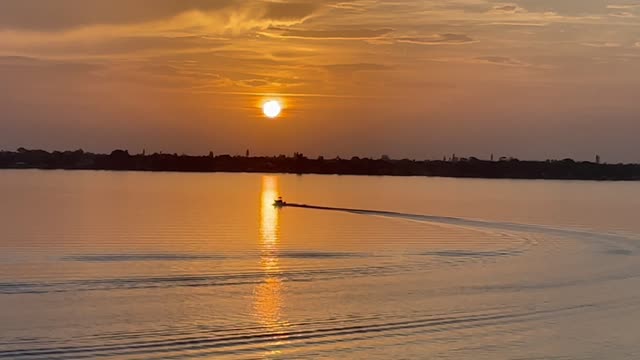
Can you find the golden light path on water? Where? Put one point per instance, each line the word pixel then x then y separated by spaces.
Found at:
pixel 268 296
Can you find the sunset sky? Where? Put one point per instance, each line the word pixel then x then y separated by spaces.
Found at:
pixel 534 79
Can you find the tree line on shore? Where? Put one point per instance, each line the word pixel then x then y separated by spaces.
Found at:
pixel 300 164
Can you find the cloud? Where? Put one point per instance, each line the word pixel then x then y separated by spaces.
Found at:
pixel 66 14
pixel 93 29
pixel 623 6
pixel 506 8
pixel 565 7
pixel 290 10
pixel 172 16
pixel 440 39
pixel 500 60
pixel 357 34
pixel 292 53
pixel 622 14
pixel 253 83
pixel 270 81
pixel 602 44
pixel 352 68
pixel 350 7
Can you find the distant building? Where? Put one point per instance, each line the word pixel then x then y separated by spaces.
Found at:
pixel 597 159
pixel 385 157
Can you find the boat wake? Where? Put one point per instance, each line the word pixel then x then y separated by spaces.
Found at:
pixel 613 243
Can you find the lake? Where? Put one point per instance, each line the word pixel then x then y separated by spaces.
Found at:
pixel 132 265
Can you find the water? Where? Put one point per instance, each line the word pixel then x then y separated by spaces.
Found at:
pixel 171 266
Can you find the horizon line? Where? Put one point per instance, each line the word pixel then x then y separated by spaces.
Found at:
pixel 452 158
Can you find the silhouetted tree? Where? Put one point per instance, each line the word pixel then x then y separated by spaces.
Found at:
pixel 298 163
pixel 119 154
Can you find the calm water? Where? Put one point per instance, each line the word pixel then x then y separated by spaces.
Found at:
pixel 172 266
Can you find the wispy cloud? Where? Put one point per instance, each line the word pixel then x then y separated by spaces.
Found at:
pixel 349 34
pixel 501 60
pixel 440 39
pixel 602 44
pixel 351 68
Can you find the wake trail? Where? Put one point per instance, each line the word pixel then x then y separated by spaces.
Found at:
pixel 609 238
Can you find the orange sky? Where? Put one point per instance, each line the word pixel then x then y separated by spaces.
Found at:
pixel 420 79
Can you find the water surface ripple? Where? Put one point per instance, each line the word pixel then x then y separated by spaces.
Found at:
pixel 174 266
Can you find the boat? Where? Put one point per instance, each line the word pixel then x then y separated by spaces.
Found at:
pixel 279 203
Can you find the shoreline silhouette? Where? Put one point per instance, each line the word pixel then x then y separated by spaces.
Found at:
pixel 504 168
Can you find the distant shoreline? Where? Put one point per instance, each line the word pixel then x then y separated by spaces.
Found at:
pixel 121 160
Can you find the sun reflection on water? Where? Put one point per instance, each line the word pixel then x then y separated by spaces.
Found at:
pixel 268 295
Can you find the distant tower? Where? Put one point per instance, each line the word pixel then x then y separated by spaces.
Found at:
pixel 247 153
pixel 491 157
pixel 597 159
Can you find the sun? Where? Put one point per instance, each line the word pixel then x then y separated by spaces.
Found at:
pixel 272 109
